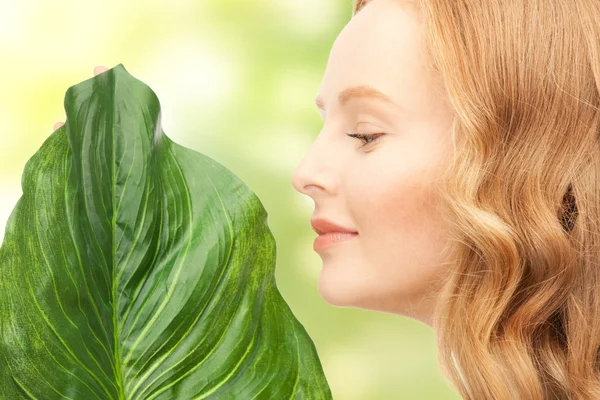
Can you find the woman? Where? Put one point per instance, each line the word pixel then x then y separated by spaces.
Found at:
pixel 472 201
pixel 460 155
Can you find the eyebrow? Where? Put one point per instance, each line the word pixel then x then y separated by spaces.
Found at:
pixel 354 92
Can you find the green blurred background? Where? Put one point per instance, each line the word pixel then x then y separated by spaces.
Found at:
pixel 236 80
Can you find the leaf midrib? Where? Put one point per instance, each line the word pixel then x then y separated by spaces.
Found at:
pixel 117 352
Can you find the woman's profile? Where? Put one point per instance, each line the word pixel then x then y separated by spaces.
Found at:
pixel 459 162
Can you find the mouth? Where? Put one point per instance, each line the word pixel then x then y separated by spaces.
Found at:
pixel 323 226
pixel 329 239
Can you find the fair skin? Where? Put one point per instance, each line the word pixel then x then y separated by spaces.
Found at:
pixel 384 189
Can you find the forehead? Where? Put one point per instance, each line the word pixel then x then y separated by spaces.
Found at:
pixel 378 47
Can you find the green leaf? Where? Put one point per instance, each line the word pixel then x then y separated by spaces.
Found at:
pixel 135 268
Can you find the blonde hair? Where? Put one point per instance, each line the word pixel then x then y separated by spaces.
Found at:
pixel 518 316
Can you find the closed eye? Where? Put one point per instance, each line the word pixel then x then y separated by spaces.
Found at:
pixel 367 138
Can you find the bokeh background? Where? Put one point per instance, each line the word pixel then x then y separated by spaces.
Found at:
pixel 236 80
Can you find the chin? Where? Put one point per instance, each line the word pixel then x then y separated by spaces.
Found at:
pixel 339 289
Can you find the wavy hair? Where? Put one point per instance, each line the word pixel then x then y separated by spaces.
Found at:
pixel 518 316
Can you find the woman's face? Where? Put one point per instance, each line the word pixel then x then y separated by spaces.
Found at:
pixel 382 190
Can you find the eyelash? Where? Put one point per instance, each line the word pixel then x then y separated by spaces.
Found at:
pixel 364 136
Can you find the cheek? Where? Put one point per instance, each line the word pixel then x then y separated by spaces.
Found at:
pixel 395 207
pixel 401 230
pixel 393 193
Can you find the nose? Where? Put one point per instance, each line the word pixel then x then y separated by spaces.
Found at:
pixel 301 179
pixel 313 176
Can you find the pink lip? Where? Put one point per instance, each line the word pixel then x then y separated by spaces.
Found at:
pixel 322 226
pixel 329 239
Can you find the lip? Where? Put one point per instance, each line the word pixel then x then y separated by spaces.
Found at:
pixel 329 239
pixel 330 233
pixel 322 226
